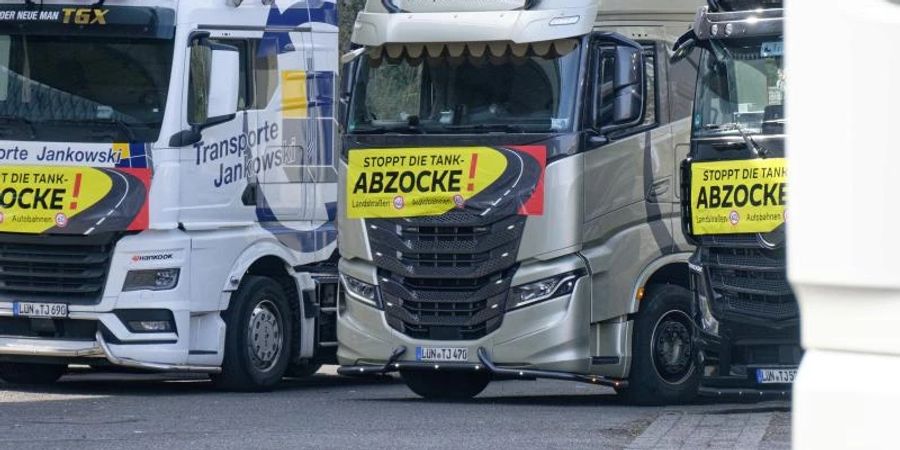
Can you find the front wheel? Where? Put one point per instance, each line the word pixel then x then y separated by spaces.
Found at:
pixel 446 385
pixel 663 369
pixel 257 337
pixel 31 374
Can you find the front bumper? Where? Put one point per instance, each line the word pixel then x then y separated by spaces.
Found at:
pixel 733 348
pixel 548 336
pixel 86 351
pixel 99 332
pixel 486 365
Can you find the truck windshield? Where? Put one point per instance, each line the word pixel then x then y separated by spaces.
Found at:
pixel 446 95
pixel 83 89
pixel 741 89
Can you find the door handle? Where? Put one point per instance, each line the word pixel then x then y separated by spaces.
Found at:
pixel 658 189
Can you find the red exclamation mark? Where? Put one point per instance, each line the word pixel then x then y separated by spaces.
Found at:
pixel 75 191
pixel 472 167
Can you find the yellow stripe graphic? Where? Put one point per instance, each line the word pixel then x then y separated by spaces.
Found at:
pixel 293 94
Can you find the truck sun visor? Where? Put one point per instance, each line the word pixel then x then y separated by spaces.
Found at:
pixel 495 52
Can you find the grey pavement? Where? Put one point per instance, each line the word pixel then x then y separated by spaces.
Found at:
pixel 104 410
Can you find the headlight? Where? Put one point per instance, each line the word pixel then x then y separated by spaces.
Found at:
pixel 151 280
pixel 538 291
pixel 361 291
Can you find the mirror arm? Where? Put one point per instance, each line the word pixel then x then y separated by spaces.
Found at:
pixel 198 36
pixel 185 138
pixel 617 38
pixel 193 134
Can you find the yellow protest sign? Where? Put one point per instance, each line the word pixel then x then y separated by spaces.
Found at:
pixel 744 196
pixel 35 199
pixel 413 182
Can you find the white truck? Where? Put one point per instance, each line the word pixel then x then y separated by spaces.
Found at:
pixel 843 246
pixel 167 187
pixel 508 195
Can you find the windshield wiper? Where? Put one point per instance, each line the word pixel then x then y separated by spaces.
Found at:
pixel 757 148
pixel 22 120
pixel 506 128
pixel 118 123
pixel 404 129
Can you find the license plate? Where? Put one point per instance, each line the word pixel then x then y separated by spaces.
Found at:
pixel 459 354
pixel 41 310
pixel 775 376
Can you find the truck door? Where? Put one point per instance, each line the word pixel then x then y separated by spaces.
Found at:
pixel 287 192
pixel 628 180
pixel 302 195
pixel 628 176
pixel 218 174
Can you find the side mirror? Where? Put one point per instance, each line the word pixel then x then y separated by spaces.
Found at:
pixel 349 63
pixel 213 87
pixel 225 78
pixel 628 107
pixel 683 47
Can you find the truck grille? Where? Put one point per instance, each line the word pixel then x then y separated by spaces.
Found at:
pixel 70 269
pixel 747 279
pixel 446 277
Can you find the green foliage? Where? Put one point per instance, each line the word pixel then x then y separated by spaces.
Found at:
pixel 347 10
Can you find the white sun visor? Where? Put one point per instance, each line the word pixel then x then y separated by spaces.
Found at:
pixel 495 52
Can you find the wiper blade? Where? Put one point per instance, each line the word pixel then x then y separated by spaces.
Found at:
pixel 22 120
pixel 118 123
pixel 755 147
pixel 405 129
pixel 508 128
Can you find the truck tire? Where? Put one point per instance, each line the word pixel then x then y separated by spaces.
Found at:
pixel 257 337
pixel 303 370
pixel 446 385
pixel 663 369
pixel 31 374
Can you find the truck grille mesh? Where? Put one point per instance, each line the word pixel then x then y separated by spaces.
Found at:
pixel 747 279
pixel 70 269
pixel 447 277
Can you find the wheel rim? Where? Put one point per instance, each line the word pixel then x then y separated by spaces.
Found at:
pixel 672 347
pixel 265 339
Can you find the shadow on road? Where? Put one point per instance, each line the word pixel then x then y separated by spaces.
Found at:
pixel 152 384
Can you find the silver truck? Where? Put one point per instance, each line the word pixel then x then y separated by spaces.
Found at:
pixel 510 196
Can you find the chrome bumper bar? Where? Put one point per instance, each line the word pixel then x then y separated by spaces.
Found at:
pixel 88 349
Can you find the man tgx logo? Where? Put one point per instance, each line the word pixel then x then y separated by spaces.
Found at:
pixel 85 16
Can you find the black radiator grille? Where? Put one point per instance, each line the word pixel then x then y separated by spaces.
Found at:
pixel 747 279
pixel 69 269
pixel 447 277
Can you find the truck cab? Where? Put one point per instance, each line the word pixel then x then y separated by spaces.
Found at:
pixel 734 196
pixel 167 187
pixel 508 196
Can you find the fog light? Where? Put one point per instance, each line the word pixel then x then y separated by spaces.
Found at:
pixel 151 326
pixel 151 280
pixel 147 320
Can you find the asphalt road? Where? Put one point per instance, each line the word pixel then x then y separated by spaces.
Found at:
pixel 99 411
